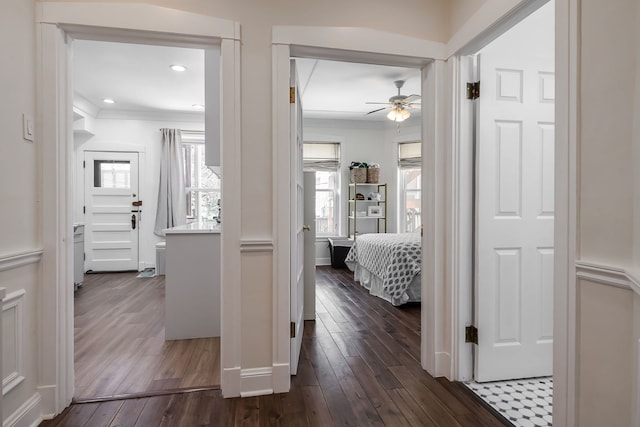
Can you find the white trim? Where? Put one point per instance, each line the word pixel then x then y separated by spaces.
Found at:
pixel 231 379
pixel 27 415
pixel 433 181
pixel 483 27
pixel 607 275
pixel 126 17
pixel 256 381
pixel 14 300
pixel 231 284
pixel 256 246
pixel 281 308
pixel 118 22
pixel 321 262
pixel 281 377
pixel 15 260
pixel 316 41
pixel 567 77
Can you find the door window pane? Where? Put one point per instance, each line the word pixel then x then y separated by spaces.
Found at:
pixel 111 174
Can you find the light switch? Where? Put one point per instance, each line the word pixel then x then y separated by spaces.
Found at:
pixel 27 127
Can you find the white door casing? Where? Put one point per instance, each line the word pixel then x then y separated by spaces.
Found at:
pixel 112 222
pixel 297 222
pixel 310 246
pixel 514 218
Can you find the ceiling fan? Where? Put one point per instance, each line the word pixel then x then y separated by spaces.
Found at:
pixel 399 104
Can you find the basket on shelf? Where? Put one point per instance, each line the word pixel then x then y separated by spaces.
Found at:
pixel 358 175
pixel 373 174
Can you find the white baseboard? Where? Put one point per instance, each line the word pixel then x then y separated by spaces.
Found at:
pixel 27 415
pixel 281 377
pixel 323 261
pixel 48 397
pixel 443 365
pixel 256 382
pixel 231 382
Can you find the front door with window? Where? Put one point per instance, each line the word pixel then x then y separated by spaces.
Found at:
pixel 112 211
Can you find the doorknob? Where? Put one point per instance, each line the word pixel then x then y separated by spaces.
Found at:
pixel 306 228
pixel 133 221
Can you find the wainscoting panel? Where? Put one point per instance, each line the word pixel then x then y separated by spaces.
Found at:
pixel 13 334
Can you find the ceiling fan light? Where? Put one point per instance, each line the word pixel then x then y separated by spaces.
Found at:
pixel 398 115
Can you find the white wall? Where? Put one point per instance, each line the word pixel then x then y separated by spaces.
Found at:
pixel 364 141
pixel 608 203
pixel 118 134
pixel 19 198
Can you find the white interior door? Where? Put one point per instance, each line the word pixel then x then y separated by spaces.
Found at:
pixel 514 217
pixel 310 246
pixel 297 223
pixel 112 220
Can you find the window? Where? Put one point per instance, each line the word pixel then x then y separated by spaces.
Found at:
pixel 111 174
pixel 410 177
pixel 323 158
pixel 202 186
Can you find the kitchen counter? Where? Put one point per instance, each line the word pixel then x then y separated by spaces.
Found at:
pixel 195 228
pixel 192 281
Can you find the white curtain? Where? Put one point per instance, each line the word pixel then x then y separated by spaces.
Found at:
pixel 172 210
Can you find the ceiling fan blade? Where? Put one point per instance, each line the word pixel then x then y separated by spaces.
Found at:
pixel 375 111
pixel 411 98
pixel 413 105
pixel 378 103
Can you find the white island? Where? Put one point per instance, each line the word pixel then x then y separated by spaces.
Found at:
pixel 192 281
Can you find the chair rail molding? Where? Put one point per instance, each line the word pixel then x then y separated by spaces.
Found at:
pixel 15 260
pixel 608 275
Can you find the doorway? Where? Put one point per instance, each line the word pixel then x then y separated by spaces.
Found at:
pixel 514 220
pixel 345 109
pixel 124 94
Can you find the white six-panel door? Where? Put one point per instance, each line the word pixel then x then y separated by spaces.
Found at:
pixel 297 224
pixel 514 217
pixel 111 228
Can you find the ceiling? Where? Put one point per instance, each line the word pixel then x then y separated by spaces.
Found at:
pixel 139 79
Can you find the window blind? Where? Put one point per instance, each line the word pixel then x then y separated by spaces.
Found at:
pixel 321 156
pixel 410 154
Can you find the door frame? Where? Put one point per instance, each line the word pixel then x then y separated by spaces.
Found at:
pixel 565 254
pixel 56 24
pixel 372 47
pixel 113 148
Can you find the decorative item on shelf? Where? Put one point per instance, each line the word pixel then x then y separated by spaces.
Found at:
pixel 358 172
pixel 376 197
pixel 373 173
pixel 374 211
pixel 359 196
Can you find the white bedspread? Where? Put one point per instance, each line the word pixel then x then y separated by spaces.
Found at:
pixel 395 258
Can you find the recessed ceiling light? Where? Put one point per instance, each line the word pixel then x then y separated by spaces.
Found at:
pixel 108 101
pixel 198 106
pixel 178 67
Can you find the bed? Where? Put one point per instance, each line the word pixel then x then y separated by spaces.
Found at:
pixel 388 265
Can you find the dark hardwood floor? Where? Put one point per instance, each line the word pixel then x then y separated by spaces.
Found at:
pixel 359 367
pixel 119 341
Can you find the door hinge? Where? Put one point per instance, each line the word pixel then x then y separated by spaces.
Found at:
pixel 471 334
pixel 292 95
pixel 473 90
pixel 84 164
pixel 293 330
pixel 84 209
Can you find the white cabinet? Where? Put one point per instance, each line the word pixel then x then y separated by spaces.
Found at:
pixel 367 211
pixel 192 283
